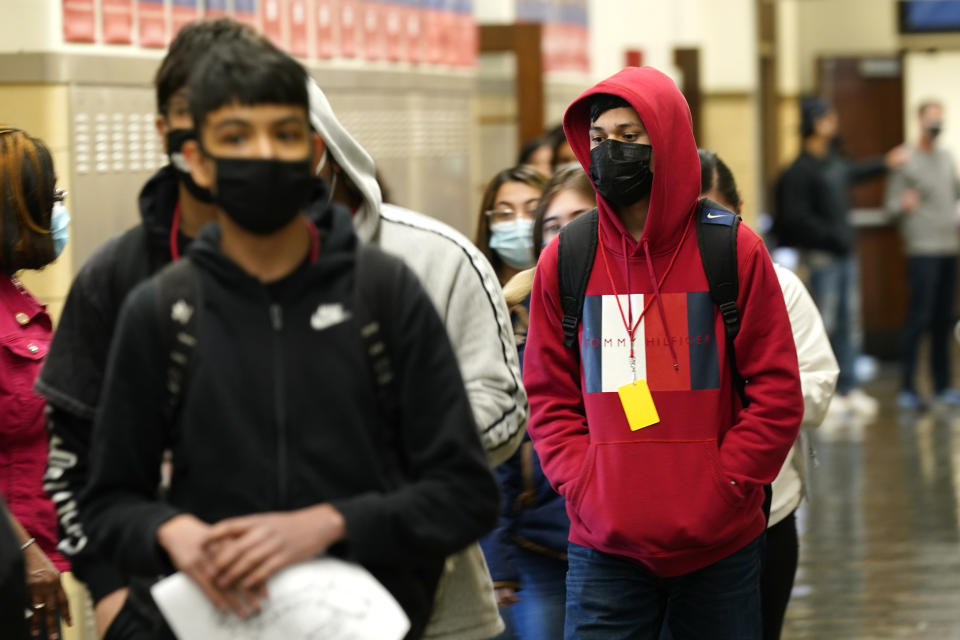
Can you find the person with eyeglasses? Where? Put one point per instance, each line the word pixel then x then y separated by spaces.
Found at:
pixel 32 234
pixel 505 225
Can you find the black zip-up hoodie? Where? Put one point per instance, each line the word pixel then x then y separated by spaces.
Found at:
pixel 281 413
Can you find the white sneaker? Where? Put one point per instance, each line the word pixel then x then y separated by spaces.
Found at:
pixel 863 405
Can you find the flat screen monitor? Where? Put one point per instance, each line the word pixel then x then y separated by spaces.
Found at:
pixel 929 16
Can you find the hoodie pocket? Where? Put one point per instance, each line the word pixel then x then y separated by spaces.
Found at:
pixel 658 497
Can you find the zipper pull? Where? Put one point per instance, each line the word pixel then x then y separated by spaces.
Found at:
pixel 276 317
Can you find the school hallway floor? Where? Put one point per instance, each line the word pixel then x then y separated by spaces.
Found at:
pixel 880 535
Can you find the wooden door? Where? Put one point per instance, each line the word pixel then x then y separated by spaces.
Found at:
pixel 867 93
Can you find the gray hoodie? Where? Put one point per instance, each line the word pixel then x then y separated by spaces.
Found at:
pixel 467 295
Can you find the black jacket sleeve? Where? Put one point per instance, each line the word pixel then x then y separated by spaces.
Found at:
pixel 119 507
pixel 70 381
pixel 799 224
pixel 863 170
pixel 451 497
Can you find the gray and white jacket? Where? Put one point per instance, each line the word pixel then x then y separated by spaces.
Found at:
pixel 467 295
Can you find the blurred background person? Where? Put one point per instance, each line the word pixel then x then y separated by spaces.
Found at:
pixel 33 232
pixel 925 192
pixel 505 224
pixel 527 551
pixel 563 157
pixel 818 377
pixel 537 153
pixel 812 215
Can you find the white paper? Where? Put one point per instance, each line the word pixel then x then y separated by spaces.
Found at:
pixel 321 599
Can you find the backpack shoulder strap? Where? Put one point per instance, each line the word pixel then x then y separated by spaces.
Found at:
pixel 372 268
pixel 717 238
pixel 576 250
pixel 179 301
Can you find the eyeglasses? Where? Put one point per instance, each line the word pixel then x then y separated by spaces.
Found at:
pixel 509 215
pixel 59 195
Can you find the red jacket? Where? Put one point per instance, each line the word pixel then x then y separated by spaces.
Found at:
pixel 681 494
pixel 25 332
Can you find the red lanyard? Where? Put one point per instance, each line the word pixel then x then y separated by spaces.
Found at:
pixel 175 230
pixel 628 324
pixel 314 241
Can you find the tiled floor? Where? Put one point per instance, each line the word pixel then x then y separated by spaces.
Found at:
pixel 880 536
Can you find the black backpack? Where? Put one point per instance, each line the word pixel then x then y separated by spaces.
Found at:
pixel 180 296
pixel 716 229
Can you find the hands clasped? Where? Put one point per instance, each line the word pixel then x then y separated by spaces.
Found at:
pixel 232 560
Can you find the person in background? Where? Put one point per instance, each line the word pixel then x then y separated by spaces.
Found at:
pixel 538 153
pixel 527 552
pixel 812 215
pixel 563 157
pixel 466 293
pixel 818 377
pixel 173 209
pixel 505 224
pixel 924 194
pixel 33 232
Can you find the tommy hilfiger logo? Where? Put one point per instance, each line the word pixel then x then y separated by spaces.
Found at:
pixel 691 330
pixel 328 315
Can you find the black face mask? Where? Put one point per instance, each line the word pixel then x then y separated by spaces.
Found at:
pixel 934 129
pixel 620 171
pixel 175 140
pixel 263 195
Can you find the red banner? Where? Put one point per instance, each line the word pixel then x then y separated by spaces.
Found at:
pixel 152 15
pixel 78 21
pixel 324 19
pixel 297 19
pixel 216 8
pixel 433 32
pixel 116 20
pixel 413 31
pixel 372 14
pixel 246 11
pixel 271 17
pixel 349 28
pixel 184 11
pixel 393 28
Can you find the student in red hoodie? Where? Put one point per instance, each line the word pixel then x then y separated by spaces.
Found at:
pixel 670 513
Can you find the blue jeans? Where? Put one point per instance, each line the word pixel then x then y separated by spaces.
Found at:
pixel 833 286
pixel 933 284
pixel 611 598
pixel 539 613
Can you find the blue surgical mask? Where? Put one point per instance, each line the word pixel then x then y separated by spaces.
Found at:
pixel 513 242
pixel 59 227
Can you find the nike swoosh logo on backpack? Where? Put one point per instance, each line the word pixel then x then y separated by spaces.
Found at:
pixel 714 217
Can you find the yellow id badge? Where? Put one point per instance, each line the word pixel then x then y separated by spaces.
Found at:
pixel 638 405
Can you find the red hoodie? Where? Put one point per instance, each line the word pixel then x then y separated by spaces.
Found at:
pixel 686 492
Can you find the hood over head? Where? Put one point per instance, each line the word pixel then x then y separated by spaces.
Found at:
pixel 351 157
pixel 676 176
